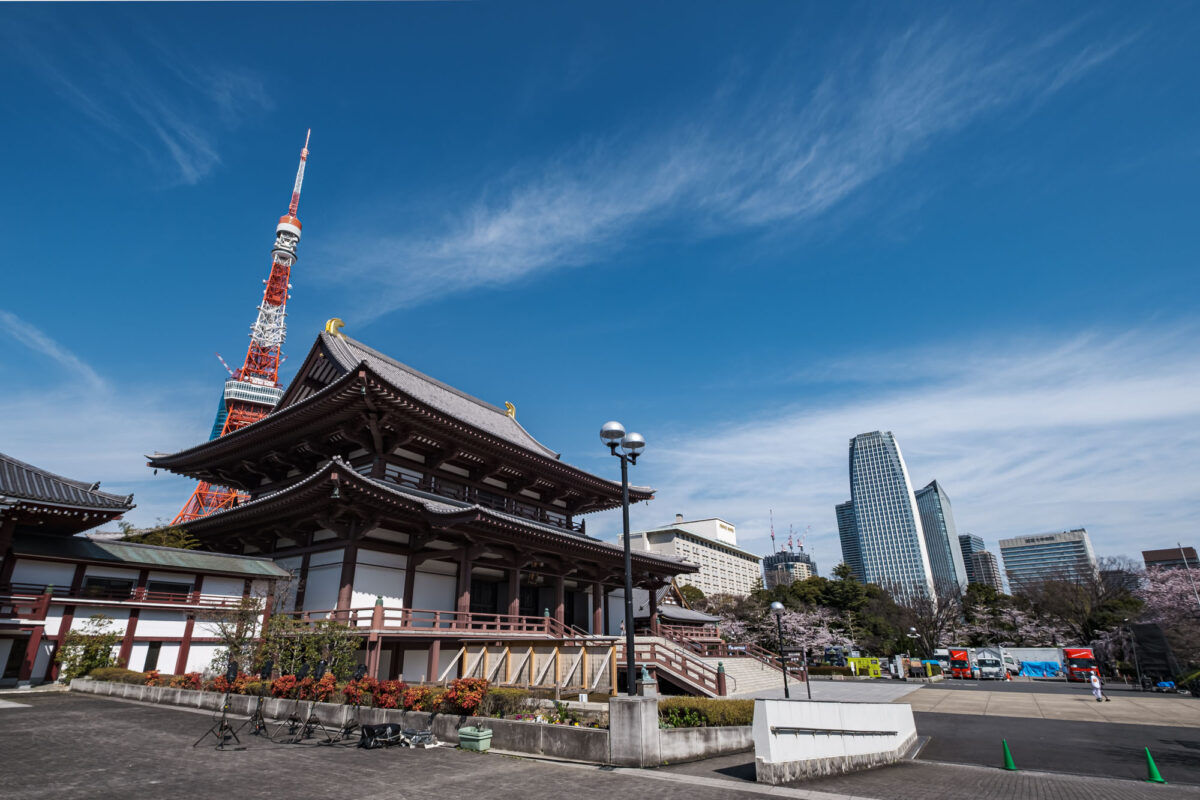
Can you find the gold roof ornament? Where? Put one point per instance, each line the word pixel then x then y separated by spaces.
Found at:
pixel 334 326
pixel 510 410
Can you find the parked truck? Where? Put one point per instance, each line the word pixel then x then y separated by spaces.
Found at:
pixel 990 661
pixel 1079 663
pixel 960 663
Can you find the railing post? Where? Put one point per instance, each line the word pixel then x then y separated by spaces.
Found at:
pixel 722 691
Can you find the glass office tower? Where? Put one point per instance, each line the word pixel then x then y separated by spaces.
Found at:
pixel 1059 556
pixel 969 543
pixel 848 533
pixel 941 538
pixel 890 538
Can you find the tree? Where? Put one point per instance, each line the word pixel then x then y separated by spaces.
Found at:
pixel 1087 604
pixel 931 618
pixel 291 643
pixel 236 628
pixel 162 536
pixel 693 597
pixel 91 647
pixel 1170 601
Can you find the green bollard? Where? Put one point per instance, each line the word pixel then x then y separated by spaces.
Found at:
pixel 1008 759
pixel 1152 774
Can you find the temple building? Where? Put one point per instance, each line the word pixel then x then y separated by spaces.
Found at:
pixel 431 520
pixel 52 581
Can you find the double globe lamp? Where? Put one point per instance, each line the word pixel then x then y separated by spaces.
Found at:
pixel 627 447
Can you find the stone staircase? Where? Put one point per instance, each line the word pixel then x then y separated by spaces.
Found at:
pixel 746 676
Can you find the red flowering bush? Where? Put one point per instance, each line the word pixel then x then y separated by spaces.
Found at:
pixel 389 694
pixel 153 678
pixel 283 686
pixel 220 684
pixel 304 688
pixel 324 689
pixel 360 692
pixel 423 698
pixel 465 695
pixel 190 680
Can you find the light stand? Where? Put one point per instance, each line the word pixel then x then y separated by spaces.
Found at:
pixel 293 718
pixel 354 723
pixel 613 435
pixel 221 729
pixel 258 722
pixel 312 721
pixel 1136 663
pixel 777 607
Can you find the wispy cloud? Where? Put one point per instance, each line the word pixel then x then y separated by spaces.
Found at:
pixel 1100 430
pixel 777 153
pixel 39 342
pixel 80 425
pixel 170 106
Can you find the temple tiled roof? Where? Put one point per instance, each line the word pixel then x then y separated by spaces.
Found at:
pixel 21 481
pixel 348 354
pixel 145 555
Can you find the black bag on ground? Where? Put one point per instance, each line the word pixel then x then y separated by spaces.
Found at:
pixel 375 736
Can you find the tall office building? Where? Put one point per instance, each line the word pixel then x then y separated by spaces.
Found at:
pixel 887 530
pixel 1064 555
pixel 848 533
pixel 786 567
pixel 969 543
pixel 983 567
pixel 941 538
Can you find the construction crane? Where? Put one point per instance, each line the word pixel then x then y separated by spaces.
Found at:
pixel 254 389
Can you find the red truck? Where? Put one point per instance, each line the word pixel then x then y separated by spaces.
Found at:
pixel 1079 663
pixel 960 664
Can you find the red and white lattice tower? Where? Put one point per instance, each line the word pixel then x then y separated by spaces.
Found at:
pixel 253 390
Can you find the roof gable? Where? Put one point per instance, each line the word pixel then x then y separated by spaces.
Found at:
pixel 23 481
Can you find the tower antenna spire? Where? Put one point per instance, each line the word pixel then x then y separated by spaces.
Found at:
pixel 253 390
pixel 772 513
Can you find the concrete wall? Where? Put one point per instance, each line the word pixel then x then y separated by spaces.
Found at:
pixel 829 738
pixel 676 745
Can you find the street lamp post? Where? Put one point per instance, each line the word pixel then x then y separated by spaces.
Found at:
pixel 613 435
pixel 777 607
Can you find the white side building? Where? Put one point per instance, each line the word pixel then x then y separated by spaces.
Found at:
pixel 710 544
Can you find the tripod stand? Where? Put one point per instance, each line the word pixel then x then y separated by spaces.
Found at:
pixel 257 722
pixel 348 728
pixel 221 730
pixel 311 722
pixel 291 722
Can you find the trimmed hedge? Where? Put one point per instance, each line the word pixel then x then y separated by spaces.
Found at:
pixel 704 712
pixel 118 675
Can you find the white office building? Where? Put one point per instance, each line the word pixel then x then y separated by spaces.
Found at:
pixel 710 544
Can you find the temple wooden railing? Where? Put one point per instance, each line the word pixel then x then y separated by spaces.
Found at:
pixel 136 595
pixel 18 606
pixel 383 618
pixel 681 665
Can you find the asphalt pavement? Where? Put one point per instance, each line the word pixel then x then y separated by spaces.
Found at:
pixel 1039 687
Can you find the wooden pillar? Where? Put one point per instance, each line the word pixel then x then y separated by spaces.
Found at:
pixel 514 592
pixel 346 584
pixel 185 644
pixel 410 579
pixel 435 655
pixel 301 582
pixel 463 604
pixel 77 579
pixel 607 621
pixel 31 652
pixel 653 605
pixel 597 609
pixel 131 625
pixel 64 627
pixel 560 588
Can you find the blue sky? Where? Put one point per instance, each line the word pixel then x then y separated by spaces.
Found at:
pixel 747 232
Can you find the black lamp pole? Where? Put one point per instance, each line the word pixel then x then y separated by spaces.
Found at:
pixel 787 693
pixel 613 435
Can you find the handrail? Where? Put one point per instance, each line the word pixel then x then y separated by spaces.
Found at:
pixel 135 595
pixel 421 619
pixel 730 650
pixel 680 664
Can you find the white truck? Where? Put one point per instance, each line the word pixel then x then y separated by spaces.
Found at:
pixel 990 661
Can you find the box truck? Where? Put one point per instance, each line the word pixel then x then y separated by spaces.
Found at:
pixel 991 664
pixel 1078 663
pixel 960 663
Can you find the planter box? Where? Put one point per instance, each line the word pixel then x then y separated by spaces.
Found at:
pixel 474 738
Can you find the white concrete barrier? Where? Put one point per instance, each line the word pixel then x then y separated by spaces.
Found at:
pixel 796 739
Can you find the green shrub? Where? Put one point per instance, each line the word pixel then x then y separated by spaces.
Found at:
pixel 88 648
pixel 504 702
pixel 704 712
pixel 118 675
pixel 828 670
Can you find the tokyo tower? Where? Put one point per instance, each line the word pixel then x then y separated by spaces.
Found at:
pixel 252 391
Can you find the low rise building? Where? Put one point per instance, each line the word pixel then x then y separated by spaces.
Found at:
pixel 1171 558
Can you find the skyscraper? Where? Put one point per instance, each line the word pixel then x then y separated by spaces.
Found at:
pixel 887 530
pixel 1065 555
pixel 941 538
pixel 848 533
pixel 970 543
pixel 786 567
pixel 983 567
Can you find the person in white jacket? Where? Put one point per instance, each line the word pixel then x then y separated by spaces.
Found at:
pixel 1097 692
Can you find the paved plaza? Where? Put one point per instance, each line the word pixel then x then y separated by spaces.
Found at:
pixel 1072 703
pixel 61 745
